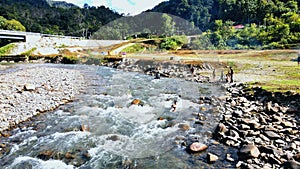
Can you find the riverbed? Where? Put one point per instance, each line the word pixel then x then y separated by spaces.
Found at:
pixel 101 128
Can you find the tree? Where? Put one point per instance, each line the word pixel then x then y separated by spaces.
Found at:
pixel 11 24
pixel 168 25
pixel 248 37
pixel 223 32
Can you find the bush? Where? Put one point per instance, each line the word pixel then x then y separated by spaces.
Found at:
pixel 69 59
pixel 7 49
pixel 173 43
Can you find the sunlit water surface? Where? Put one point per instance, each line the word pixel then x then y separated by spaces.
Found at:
pixel 118 134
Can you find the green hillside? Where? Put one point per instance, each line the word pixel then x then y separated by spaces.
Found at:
pixel 39 16
pixel 267 23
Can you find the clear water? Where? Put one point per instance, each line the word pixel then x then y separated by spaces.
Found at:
pixel 119 135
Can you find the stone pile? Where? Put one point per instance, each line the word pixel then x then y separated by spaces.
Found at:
pixel 28 92
pixel 266 132
pixel 165 69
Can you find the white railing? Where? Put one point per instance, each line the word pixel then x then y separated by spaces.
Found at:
pixel 37 34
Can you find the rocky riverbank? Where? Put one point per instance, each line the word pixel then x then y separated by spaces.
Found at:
pixel 171 69
pixel 263 126
pixel 30 91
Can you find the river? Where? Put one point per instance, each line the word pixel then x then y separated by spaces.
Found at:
pixel 102 129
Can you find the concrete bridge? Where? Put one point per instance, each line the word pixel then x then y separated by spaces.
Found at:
pixel 13 35
pixel 24 36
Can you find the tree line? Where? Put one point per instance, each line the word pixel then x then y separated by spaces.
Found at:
pixel 267 23
pixel 39 16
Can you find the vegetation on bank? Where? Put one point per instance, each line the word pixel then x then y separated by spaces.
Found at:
pixel 158 44
pixel 7 49
pixel 69 59
pixel 29 52
pixel 136 48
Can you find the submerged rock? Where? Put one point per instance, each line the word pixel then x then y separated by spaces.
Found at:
pixel 197 147
pixel 184 127
pixel 45 155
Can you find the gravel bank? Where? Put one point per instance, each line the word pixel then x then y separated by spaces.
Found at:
pixel 28 92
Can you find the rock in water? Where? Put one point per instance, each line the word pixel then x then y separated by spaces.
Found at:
pixel 136 102
pixel 197 147
pixel 249 151
pixel 212 158
pixel 184 127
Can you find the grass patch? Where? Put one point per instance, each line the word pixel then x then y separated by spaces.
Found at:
pixel 136 48
pixel 291 72
pixel 279 85
pixel 28 52
pixel 61 46
pixel 7 49
pixel 287 82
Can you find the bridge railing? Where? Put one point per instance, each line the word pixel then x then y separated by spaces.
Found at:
pixel 37 34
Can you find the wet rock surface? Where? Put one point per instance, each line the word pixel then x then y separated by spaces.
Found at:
pixel 28 92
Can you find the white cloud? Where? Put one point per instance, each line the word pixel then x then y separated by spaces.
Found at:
pixel 132 7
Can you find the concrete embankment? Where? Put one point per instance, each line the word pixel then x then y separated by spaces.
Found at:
pixel 52 45
pixel 30 91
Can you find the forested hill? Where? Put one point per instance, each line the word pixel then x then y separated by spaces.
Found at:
pixel 44 17
pixel 204 12
pixel 261 23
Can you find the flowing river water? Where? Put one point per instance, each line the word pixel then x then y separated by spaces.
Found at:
pixel 102 129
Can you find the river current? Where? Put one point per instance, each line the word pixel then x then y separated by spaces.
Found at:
pixel 102 129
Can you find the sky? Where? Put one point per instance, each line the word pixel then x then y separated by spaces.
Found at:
pixel 131 7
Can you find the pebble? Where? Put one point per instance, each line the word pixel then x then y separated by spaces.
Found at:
pixel 212 158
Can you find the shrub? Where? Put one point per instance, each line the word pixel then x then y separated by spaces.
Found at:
pixel 173 43
pixel 7 49
pixel 69 59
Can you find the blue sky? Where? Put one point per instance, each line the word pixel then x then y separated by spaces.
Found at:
pixel 132 7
